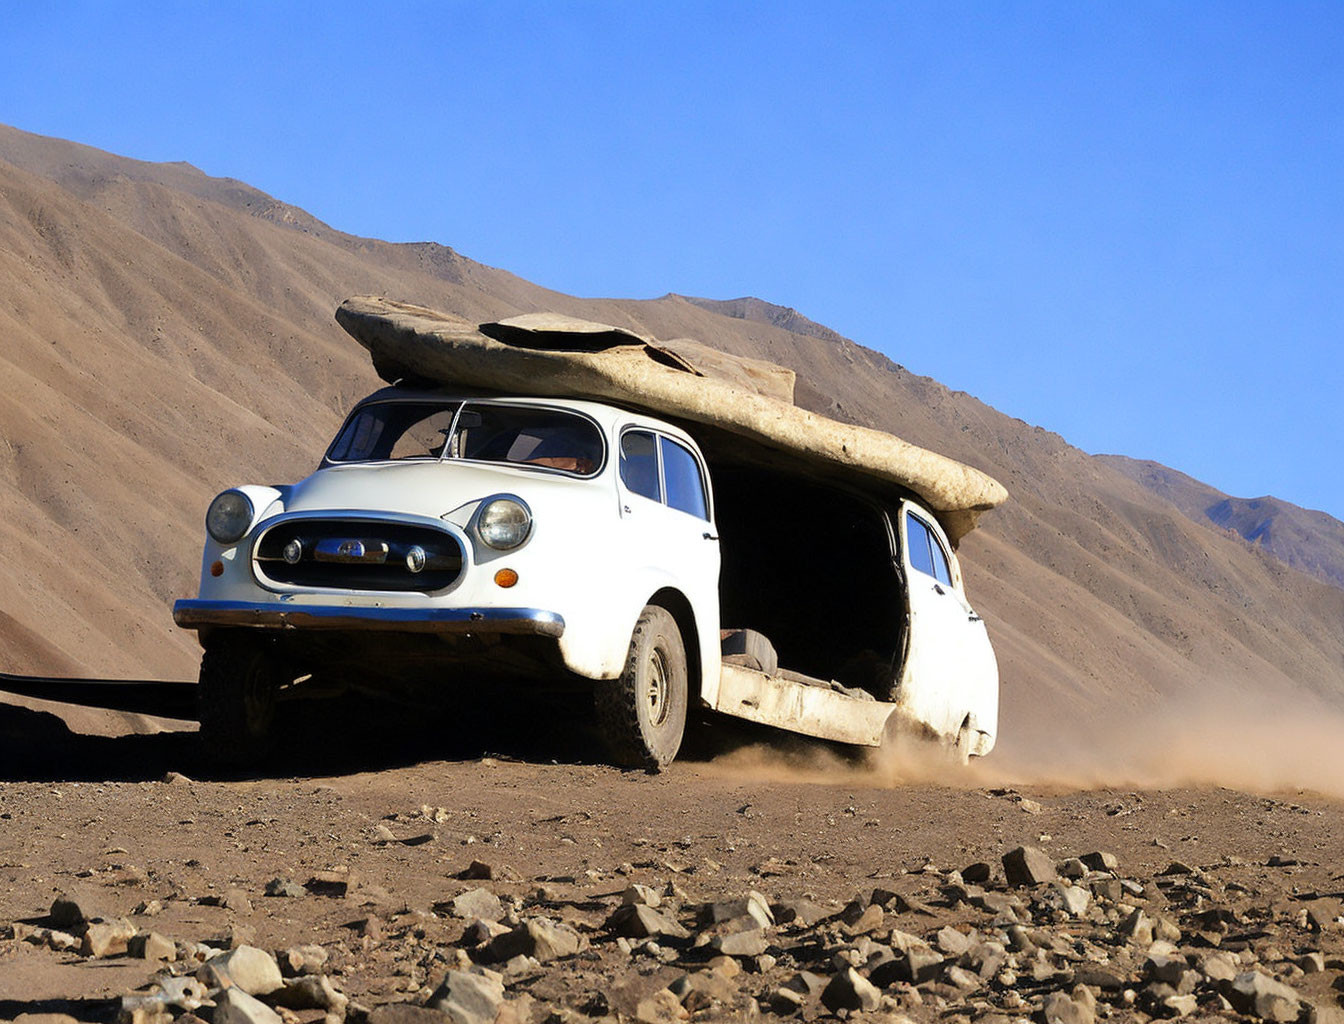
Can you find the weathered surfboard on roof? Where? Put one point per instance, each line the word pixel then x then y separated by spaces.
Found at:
pixel 550 354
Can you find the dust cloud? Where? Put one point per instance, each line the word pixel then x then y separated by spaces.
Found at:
pixel 1257 745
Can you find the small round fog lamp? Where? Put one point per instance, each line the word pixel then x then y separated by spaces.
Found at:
pixel 416 558
pixel 293 551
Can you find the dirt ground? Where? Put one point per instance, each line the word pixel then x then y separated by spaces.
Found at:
pixel 400 808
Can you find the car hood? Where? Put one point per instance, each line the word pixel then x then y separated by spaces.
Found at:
pixel 430 489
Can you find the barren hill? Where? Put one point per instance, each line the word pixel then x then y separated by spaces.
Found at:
pixel 1310 541
pixel 168 334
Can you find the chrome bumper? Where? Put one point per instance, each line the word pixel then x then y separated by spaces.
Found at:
pixel 196 614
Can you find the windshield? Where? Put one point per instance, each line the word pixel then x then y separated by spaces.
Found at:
pixel 473 431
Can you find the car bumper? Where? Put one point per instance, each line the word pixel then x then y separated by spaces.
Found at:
pixel 198 614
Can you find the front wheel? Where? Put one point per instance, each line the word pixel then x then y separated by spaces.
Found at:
pixel 236 700
pixel 642 714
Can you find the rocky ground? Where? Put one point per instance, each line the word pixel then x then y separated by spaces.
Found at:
pixel 383 884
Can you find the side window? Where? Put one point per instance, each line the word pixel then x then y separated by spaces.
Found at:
pixel 918 540
pixel 639 463
pixel 941 572
pixel 926 551
pixel 681 475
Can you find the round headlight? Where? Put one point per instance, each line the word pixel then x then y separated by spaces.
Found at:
pixel 229 517
pixel 504 523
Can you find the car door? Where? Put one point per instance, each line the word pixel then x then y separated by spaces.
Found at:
pixel 667 516
pixel 949 672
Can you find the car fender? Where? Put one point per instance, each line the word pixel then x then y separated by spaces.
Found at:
pixel 597 635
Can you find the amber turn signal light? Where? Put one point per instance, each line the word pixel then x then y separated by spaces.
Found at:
pixel 216 568
pixel 506 578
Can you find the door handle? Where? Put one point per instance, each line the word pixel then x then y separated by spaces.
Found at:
pixel 710 536
pixel 938 589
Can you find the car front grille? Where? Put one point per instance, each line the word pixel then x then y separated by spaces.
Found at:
pixel 357 554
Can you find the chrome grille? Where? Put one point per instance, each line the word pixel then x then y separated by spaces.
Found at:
pixel 357 554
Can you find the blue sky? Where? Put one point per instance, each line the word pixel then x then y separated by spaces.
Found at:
pixel 1122 222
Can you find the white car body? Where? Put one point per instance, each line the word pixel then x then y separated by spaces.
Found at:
pixel 597 554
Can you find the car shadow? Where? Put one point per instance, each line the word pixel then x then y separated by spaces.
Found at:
pixel 346 736
pixel 93 1011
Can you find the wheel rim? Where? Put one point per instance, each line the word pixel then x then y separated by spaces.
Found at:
pixel 657 693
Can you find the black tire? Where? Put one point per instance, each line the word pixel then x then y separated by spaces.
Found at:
pixel 642 714
pixel 236 700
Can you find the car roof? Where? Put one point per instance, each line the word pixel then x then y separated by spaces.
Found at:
pixel 608 415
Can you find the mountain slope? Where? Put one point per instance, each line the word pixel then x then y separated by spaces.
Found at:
pixel 1309 541
pixel 168 334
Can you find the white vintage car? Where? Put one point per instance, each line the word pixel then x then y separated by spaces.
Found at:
pixel 564 540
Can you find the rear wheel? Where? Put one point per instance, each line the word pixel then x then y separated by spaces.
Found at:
pixel 236 700
pixel 642 714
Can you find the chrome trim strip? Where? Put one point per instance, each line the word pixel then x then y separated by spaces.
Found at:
pixel 194 614
pixel 360 515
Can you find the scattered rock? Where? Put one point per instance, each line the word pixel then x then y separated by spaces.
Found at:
pixel 1061 1008
pixel 479 933
pixel 468 998
pixel 1177 867
pixel 234 1006
pixel 661 1007
pixel 952 942
pixel 1100 860
pixel 538 937
pixel 977 873
pixel 107 938
pixel 639 921
pixel 1071 868
pixel 1074 899
pixel 477 903
pixel 285 887
pixel 1311 963
pixel 1138 928
pixel 745 943
pixel 1321 917
pixel 477 869
pixel 642 895
pixel 151 946
pixel 299 960
pixel 800 913
pixel 1028 866
pixel 1260 995
pixel 913 966
pixel 850 990
pixel 252 970
pixel 1220 967
pixel 68 914
pixel 753 905
pixel 311 992
pixel 870 920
